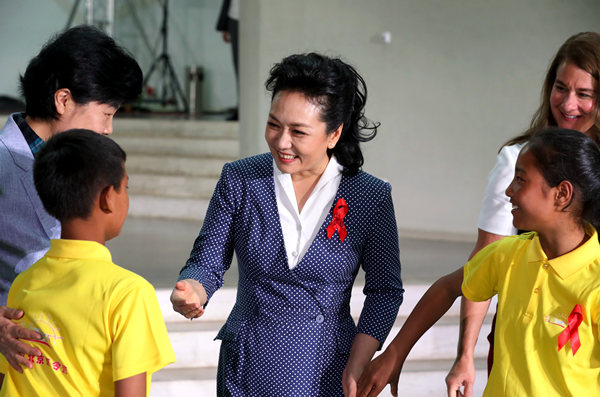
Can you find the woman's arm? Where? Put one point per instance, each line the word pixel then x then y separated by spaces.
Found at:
pixel 134 386
pixel 383 289
pixel 483 240
pixel 11 347
pixel 188 298
pixel 212 252
pixel 381 263
pixel 385 369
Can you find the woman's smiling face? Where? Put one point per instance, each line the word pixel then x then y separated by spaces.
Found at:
pixel 572 99
pixel 296 136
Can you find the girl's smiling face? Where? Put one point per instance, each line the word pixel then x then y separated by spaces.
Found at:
pixel 533 200
pixel 572 99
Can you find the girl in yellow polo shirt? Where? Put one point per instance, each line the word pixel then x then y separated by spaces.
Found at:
pixel 547 281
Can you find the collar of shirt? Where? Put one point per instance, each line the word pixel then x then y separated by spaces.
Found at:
pixel 570 263
pixel 300 229
pixel 33 140
pixel 78 249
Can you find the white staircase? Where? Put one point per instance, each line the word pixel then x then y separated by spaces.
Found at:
pixel 173 166
pixel 197 353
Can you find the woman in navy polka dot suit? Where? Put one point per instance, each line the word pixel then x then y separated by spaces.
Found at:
pixel 301 220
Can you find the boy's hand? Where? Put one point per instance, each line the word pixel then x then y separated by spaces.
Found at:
pixel 188 298
pixel 10 345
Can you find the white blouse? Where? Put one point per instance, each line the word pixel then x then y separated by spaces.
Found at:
pixel 300 229
pixel 495 216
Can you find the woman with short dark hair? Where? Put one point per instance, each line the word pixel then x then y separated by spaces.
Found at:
pixel 78 80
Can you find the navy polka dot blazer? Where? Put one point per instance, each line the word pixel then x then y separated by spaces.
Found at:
pixel 290 331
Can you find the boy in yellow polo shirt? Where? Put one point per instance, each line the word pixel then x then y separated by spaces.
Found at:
pixel 103 332
pixel 546 341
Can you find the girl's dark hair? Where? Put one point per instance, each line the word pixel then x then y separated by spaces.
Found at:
pixel 340 92
pixel 72 168
pixel 87 62
pixel 568 155
pixel 583 51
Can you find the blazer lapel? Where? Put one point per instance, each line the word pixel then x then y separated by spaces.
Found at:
pixel 271 214
pixel 332 245
pixel 23 160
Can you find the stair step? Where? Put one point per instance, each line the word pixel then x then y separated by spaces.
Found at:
pixel 170 373
pixel 194 344
pixel 197 352
pixel 181 146
pixel 197 347
pixel 161 127
pixel 174 163
pixel 172 185
pixel 179 166
pixel 222 302
pixel 167 207
pixel 202 373
pixel 425 381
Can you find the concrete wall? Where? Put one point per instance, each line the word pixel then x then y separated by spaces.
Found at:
pixel 457 80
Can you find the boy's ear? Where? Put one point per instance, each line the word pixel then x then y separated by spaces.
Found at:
pixel 62 100
pixel 106 199
pixel 564 194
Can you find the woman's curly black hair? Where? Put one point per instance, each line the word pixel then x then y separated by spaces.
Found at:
pixel 340 92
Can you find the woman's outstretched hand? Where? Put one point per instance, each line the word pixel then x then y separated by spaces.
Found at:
pixel 384 369
pixel 11 347
pixel 188 298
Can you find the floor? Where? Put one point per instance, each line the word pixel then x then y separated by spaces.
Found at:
pixel 158 248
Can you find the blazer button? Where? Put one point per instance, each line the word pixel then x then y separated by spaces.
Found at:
pixel 319 319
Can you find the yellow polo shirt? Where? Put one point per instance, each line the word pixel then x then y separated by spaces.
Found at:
pixel 101 323
pixel 535 298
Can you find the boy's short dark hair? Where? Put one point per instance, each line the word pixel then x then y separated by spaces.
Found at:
pixel 87 62
pixel 72 168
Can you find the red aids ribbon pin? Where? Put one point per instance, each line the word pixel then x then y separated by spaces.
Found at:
pixel 571 333
pixel 339 212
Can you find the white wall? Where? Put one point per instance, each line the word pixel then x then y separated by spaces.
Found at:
pixel 22 35
pixel 458 79
pixel 27 25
